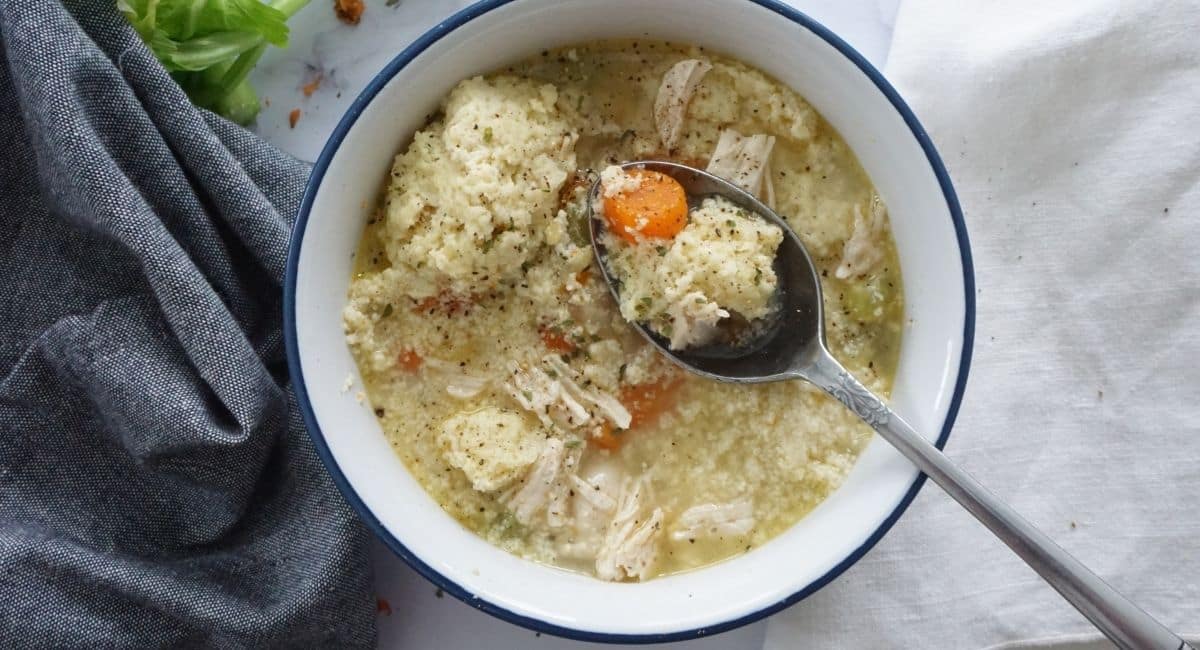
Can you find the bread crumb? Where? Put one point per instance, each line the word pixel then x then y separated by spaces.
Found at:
pixel 311 87
pixel 293 117
pixel 349 11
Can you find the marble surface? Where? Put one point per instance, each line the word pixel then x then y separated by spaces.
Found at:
pixel 344 58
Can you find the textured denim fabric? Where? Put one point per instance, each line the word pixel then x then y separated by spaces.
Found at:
pixel 157 487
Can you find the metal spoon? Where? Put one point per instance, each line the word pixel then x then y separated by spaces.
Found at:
pixel 794 348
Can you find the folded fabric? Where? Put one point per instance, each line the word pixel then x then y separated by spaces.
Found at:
pixel 1069 131
pixel 157 487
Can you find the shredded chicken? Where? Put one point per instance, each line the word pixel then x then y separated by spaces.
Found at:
pixel 533 492
pixel 694 320
pixel 458 383
pixel 863 250
pixel 551 392
pixel 466 387
pixel 545 397
pixel 674 93
pixel 558 506
pixel 548 485
pixel 630 544
pixel 608 405
pixel 768 185
pixel 593 495
pixel 736 518
pixel 594 499
pixel 746 162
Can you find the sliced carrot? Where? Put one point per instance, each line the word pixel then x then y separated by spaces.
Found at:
pixel 556 341
pixel 657 208
pixel 409 361
pixel 607 439
pixel 646 402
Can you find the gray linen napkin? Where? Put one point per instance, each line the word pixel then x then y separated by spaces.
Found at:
pixel 157 487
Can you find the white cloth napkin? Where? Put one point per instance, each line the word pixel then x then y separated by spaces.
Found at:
pixel 1070 131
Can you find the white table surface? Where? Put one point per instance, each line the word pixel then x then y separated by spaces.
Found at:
pixel 346 58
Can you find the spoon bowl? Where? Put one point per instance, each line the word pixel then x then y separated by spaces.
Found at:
pixel 795 335
pixel 792 346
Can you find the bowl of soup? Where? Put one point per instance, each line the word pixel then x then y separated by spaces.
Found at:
pixel 483 401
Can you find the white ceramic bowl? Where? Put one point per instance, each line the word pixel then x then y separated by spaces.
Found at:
pixel 934 257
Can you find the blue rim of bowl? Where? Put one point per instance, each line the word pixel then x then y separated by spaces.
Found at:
pixel 297 376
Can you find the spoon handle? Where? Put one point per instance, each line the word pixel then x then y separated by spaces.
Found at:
pixel 1123 622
